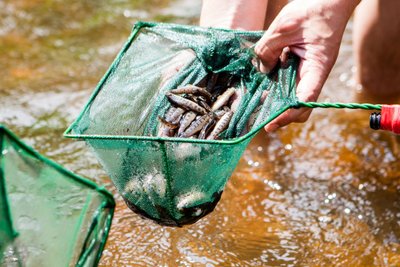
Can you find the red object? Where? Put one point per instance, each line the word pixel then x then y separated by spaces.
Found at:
pixel 390 118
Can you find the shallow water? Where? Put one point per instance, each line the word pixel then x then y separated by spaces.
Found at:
pixel 322 193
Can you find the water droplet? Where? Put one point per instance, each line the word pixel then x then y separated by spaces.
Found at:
pixel 288 147
pixel 324 219
pixel 332 196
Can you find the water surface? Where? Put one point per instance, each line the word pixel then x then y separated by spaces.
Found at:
pixel 318 194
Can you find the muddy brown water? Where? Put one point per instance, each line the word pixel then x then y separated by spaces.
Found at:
pixel 322 193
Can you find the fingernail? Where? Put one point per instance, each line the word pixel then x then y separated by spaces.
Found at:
pixel 269 128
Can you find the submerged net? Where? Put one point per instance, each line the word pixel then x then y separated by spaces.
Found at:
pixel 176 181
pixel 61 219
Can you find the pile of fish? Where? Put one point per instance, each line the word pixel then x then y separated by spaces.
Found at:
pixel 197 113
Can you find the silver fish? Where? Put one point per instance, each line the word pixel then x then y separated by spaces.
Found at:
pixel 185 103
pixel 197 125
pixel 192 89
pixel 237 99
pixel 206 129
pixel 221 125
pixel 199 100
pixel 223 99
pixel 166 129
pixel 219 113
pixel 186 120
pixel 173 115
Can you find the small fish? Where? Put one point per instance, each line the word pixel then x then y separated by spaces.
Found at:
pixel 237 99
pixel 173 115
pixel 206 129
pixel 185 103
pixel 223 99
pixel 167 129
pixel 167 123
pixel 204 105
pixel 219 113
pixel 221 125
pixel 200 100
pixel 192 89
pixel 186 120
pixel 197 125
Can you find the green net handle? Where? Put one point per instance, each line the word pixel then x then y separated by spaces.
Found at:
pixel 367 106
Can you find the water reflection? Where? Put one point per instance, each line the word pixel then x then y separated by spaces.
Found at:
pixel 322 193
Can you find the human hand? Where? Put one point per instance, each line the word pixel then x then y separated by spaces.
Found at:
pixel 313 30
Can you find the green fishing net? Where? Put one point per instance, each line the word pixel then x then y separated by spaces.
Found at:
pixel 48 215
pixel 176 181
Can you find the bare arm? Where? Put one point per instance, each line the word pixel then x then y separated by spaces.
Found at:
pixel 234 14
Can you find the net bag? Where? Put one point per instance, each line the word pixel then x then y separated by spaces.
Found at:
pixel 176 181
pixel 48 215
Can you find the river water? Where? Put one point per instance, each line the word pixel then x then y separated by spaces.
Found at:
pixel 322 193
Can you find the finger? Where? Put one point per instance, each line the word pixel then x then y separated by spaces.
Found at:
pixel 268 50
pixel 289 116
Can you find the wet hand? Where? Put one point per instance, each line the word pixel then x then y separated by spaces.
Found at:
pixel 313 30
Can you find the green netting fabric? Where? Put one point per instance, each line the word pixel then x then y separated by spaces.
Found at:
pixel 7 231
pixel 176 180
pixel 61 219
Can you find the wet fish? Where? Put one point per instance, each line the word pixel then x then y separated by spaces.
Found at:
pixel 197 125
pixel 223 99
pixel 186 120
pixel 192 89
pixel 237 98
pixel 185 103
pixel 200 100
pixel 166 129
pixel 206 129
pixel 173 115
pixel 221 125
pixel 204 105
pixel 219 113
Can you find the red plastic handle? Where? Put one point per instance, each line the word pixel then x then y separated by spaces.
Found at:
pixel 390 118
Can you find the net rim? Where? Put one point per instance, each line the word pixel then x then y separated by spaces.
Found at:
pixel 136 28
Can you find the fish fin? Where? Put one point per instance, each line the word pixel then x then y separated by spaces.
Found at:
pixel 169 124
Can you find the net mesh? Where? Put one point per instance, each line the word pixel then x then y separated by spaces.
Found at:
pixel 61 219
pixel 176 181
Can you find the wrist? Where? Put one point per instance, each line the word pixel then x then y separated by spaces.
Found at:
pixel 346 7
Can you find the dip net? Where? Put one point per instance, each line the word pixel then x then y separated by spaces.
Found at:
pixel 168 178
pixel 48 215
